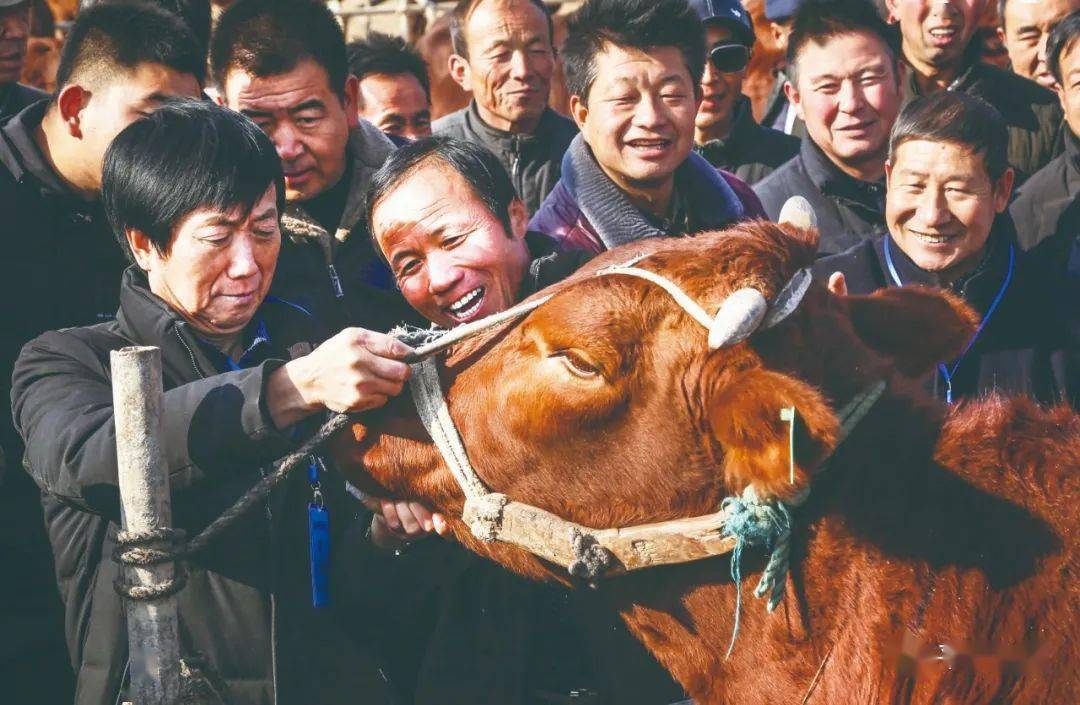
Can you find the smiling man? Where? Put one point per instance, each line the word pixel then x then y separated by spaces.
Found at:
pixel 844 83
pixel 283 63
pixel 936 37
pixel 725 131
pixel 633 71
pixel 949 181
pixel 445 215
pixel 504 56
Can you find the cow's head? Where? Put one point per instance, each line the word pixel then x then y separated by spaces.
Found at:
pixel 607 406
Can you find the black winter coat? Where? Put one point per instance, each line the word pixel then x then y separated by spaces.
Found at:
pixel 1046 211
pixel 533 161
pixel 247 605
pixel 15 96
pixel 61 267
pixel 848 210
pixel 751 151
pixel 1028 346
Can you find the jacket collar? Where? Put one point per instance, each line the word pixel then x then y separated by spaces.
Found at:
pixel 710 200
pixel 367 149
pixel 978 289
pixel 508 141
pixel 1072 154
pixel 146 319
pixel 21 155
pixel 831 181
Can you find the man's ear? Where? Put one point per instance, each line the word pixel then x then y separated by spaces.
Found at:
pixel 1003 187
pixel 915 327
pixel 351 100
pixel 792 94
pixel 519 218
pixel 579 111
pixel 142 248
pixel 72 100
pixel 460 71
pixel 744 409
pixel 890 5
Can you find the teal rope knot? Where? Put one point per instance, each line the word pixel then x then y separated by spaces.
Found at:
pixel 753 522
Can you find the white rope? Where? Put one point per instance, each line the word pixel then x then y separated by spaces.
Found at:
pixel 469 330
pixel 435 415
pixel 696 312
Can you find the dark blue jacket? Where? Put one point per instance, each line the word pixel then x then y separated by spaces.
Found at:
pixel 1028 346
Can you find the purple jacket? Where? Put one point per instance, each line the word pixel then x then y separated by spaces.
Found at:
pixel 587 211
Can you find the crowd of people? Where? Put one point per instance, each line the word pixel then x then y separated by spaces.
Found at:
pixel 265 203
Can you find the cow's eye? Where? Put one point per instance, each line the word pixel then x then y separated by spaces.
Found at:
pixel 576 363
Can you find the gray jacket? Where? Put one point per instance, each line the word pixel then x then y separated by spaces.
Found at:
pixel 534 161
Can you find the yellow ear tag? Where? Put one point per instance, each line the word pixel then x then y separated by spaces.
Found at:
pixel 788 414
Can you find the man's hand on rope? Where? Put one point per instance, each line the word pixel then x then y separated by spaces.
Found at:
pixel 398 522
pixel 356 370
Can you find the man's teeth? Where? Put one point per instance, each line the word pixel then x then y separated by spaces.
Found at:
pixel 943 32
pixel 933 239
pixel 473 297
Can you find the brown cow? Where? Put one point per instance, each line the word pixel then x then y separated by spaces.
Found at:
pixel 935 560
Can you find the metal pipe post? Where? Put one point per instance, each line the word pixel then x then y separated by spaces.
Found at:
pixel 153 637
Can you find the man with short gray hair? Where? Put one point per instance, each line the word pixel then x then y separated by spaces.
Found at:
pixel 504 55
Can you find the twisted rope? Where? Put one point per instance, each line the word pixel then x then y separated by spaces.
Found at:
pixel 164 545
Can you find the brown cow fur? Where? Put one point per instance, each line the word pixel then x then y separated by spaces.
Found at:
pixel 928 528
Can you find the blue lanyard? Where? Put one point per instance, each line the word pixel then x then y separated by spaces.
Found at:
pixel 945 371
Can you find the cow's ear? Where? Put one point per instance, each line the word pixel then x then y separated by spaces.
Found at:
pixel 748 412
pixel 914 327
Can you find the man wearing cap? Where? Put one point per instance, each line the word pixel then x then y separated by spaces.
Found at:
pixel 725 132
pixel 780 115
pixel 14 32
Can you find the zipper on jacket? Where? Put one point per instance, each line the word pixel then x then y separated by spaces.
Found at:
pixel 191 354
pixel 335 281
pixel 515 165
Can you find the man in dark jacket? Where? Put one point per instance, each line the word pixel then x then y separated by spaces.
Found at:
pixel 726 133
pixel 844 83
pixel 1046 212
pixel 62 268
pixel 633 70
pixel 283 63
pixel 937 46
pixel 241 378
pixel 949 180
pixel 445 215
pixel 504 55
pixel 14 33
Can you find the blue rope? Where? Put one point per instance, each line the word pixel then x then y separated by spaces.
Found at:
pixel 755 523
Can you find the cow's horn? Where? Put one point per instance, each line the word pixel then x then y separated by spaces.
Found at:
pixel 738 317
pixel 797 211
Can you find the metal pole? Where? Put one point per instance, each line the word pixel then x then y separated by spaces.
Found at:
pixel 153 643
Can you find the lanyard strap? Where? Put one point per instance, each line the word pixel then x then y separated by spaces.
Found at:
pixel 945 371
